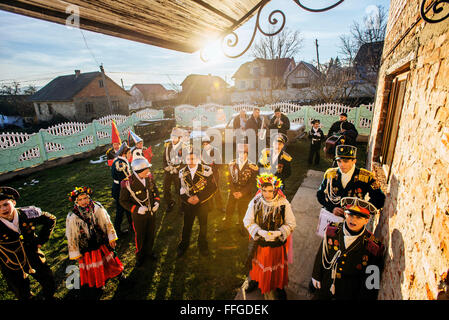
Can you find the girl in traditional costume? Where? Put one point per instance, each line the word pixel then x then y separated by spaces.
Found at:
pixel 91 240
pixel 270 222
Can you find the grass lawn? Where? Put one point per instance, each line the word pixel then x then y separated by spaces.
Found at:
pixel 191 277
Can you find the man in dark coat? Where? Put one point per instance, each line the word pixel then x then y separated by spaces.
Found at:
pixel 279 122
pixel 20 253
pixel 140 196
pixel 172 163
pixel 197 188
pixel 120 170
pixel 316 137
pixel 349 261
pixel 211 156
pixel 336 126
pixel 348 181
pixel 276 161
pixel 254 126
pixel 242 177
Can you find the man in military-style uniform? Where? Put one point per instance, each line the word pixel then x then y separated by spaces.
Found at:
pixel 112 152
pixel 349 261
pixel 140 196
pixel 20 254
pixel 172 163
pixel 120 170
pixel 242 175
pixel 211 157
pixel 275 160
pixel 197 188
pixel 348 181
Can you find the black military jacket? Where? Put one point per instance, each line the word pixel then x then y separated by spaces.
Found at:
pixel 283 170
pixel 173 157
pixel 351 269
pixel 147 195
pixel 244 180
pixel 362 182
pixel 30 218
pixel 202 185
pixel 120 170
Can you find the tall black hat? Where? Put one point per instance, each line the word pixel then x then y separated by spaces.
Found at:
pixel 345 152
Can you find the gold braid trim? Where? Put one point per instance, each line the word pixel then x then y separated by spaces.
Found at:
pixel 10 264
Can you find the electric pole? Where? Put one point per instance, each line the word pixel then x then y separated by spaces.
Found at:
pixel 106 87
pixel 317 54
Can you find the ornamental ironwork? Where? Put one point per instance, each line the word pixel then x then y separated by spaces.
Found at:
pixel 231 39
pixel 437 7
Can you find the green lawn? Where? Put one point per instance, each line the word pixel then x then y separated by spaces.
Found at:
pixel 190 277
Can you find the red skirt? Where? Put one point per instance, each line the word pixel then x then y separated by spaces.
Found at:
pixel 270 267
pixel 97 266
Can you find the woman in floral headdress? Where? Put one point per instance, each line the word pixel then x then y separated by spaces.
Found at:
pixel 91 239
pixel 270 222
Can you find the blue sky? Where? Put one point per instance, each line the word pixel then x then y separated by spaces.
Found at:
pixel 34 51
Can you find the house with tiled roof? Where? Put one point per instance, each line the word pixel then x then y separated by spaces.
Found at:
pixel 260 77
pixel 302 75
pixel 145 94
pixel 80 97
pixel 198 89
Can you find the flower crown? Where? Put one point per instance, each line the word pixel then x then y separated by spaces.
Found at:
pixel 268 178
pixel 79 190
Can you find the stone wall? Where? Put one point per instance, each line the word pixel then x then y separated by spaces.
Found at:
pixel 415 221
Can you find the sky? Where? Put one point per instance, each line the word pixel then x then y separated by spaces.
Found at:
pixel 33 51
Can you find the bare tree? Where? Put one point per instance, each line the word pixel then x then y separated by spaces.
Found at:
pixel 286 44
pixel 372 29
pixel 335 83
pixel 13 89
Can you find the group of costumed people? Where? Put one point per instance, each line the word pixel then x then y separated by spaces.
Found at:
pixel 257 192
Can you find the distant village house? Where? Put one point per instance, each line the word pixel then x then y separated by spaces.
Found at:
pixel 80 97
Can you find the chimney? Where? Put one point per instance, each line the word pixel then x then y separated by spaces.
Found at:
pixel 77 73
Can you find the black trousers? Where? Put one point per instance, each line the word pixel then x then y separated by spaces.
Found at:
pixel 314 152
pixel 241 205
pixel 191 212
pixel 169 180
pixel 217 197
pixel 144 228
pixel 120 211
pixel 21 286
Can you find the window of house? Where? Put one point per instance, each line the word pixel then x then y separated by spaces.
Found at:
pixel 256 71
pixel 39 110
pixel 100 83
pixel 89 107
pixel 115 105
pixel 242 84
pixel 300 85
pixel 256 84
pixel 50 108
pixel 302 73
pixel 392 123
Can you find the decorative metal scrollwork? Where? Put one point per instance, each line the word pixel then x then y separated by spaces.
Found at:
pixel 317 10
pixel 437 7
pixel 231 39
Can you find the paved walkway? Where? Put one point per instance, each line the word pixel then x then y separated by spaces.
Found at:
pixel 305 242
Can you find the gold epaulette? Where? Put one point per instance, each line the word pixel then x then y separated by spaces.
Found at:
pixel 233 162
pixel 286 156
pixel 254 167
pixel 330 173
pixel 166 144
pixel 365 175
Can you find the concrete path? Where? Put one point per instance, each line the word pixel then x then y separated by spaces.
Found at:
pixel 305 242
